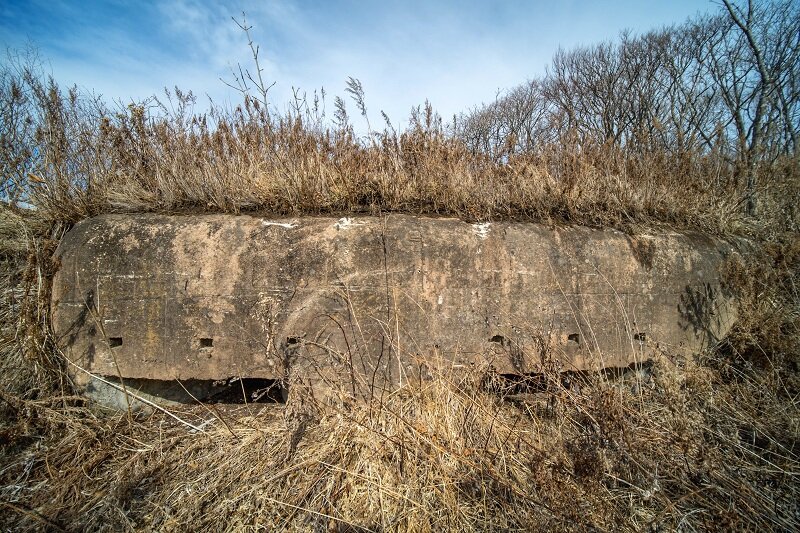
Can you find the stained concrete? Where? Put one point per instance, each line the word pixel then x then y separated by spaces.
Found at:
pixel 356 303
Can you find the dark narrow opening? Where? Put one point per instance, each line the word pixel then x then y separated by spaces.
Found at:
pixel 247 390
pixel 206 342
pixel 513 384
pixel 208 391
pixel 115 341
pixel 497 338
pixel 574 337
pixel 640 336
pixel 510 384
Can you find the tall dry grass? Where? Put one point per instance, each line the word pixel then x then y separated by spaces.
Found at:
pixel 677 449
pixel 73 156
pixel 707 443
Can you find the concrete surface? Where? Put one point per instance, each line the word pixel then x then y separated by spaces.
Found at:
pixel 359 303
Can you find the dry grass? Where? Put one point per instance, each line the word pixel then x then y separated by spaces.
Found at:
pixel 679 450
pixel 708 443
pixel 701 444
pixel 73 157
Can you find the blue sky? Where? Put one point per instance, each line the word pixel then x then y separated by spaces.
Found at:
pixel 456 54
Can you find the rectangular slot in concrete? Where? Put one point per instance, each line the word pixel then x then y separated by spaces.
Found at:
pixel 191 391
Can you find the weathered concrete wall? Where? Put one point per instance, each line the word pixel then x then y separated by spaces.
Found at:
pixel 374 300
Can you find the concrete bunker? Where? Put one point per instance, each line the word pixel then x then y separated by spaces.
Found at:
pixel 358 304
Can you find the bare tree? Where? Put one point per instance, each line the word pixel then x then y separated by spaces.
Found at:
pixel 515 122
pixel 753 61
pixel 727 83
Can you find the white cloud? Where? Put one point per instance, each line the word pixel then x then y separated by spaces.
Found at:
pixel 455 55
pixel 209 33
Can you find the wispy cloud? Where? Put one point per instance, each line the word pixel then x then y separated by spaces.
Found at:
pixel 456 54
pixel 206 32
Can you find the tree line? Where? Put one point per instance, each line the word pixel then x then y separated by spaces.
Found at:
pixel 726 83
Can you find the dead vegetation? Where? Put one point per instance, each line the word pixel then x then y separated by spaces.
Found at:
pixel 683 446
pixel 74 157
pixel 707 443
